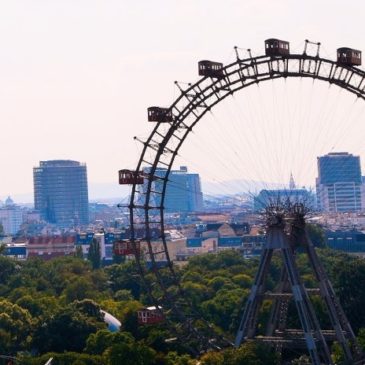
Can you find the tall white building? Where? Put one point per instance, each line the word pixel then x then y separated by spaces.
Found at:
pixel 11 217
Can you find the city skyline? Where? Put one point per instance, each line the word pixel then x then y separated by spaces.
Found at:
pixel 117 193
pixel 182 182
pixel 81 86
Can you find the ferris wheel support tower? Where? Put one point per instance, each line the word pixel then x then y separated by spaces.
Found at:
pixel 286 232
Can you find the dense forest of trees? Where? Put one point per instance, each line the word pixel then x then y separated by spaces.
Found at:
pixel 52 309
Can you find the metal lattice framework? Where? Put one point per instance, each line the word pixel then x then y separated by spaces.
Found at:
pixel 163 145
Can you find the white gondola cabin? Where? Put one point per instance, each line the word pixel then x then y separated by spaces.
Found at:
pixel 124 248
pixel 150 315
pixel 161 115
pixel 128 177
pixel 276 47
pixel 348 56
pixel 211 69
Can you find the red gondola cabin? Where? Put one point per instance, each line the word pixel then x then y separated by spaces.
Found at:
pixel 157 114
pixel 150 315
pixel 124 248
pixel 211 69
pixel 276 47
pixel 128 177
pixel 348 56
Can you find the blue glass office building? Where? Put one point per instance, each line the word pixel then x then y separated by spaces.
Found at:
pixel 339 182
pixel 183 191
pixel 61 192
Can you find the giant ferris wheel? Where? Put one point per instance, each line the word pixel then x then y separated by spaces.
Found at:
pixel 150 178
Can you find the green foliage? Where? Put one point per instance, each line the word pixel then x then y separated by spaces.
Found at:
pixel 78 252
pixel 7 268
pixel 94 255
pixel 346 273
pixel 67 358
pixel 130 354
pixel 55 307
pixel 302 360
pixel 100 341
pixel 78 289
pixel 316 234
pixel 361 338
pixel 66 330
pixel 248 354
pixel 173 358
pixel 124 277
pixel 16 325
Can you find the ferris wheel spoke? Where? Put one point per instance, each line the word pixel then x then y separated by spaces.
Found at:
pixel 175 128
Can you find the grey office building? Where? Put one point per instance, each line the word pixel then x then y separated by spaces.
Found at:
pixel 61 192
pixel 339 183
pixel 183 191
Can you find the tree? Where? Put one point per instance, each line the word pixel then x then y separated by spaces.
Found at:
pixel 66 358
pixel 172 358
pixel 130 354
pixel 248 354
pixel 348 277
pixel 15 325
pixel 78 252
pixel 98 342
pixel 124 276
pixel 7 268
pixel 67 330
pixel 79 289
pixel 316 234
pixel 94 255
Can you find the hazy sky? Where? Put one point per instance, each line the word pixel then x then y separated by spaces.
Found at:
pixel 76 76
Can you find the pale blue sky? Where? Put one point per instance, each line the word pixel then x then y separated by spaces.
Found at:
pixel 76 76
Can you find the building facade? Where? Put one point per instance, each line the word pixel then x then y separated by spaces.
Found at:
pixel 339 183
pixel 61 192
pixel 348 240
pixel 49 247
pixel 11 217
pixel 183 191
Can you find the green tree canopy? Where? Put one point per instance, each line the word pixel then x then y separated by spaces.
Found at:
pixel 94 255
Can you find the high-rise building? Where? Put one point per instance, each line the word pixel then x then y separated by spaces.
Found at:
pixel 11 217
pixel 183 191
pixel 339 182
pixel 61 192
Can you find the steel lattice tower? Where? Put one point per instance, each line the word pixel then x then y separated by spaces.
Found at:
pixel 286 232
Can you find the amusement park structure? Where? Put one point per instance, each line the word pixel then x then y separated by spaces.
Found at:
pixel 286 233
pixel 285 222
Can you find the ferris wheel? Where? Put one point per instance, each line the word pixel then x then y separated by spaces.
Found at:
pixel 175 125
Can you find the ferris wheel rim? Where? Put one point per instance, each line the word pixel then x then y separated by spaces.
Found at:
pixel 196 96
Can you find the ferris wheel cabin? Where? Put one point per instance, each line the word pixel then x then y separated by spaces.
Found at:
pixel 161 115
pixel 124 248
pixel 211 69
pixel 276 47
pixel 348 56
pixel 128 177
pixel 150 315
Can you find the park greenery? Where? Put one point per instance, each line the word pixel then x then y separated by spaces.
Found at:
pixel 52 309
